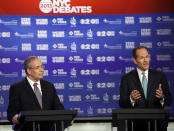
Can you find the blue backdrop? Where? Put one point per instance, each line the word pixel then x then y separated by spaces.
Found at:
pixel 84 56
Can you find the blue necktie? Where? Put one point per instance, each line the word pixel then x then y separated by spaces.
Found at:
pixel 144 84
pixel 38 94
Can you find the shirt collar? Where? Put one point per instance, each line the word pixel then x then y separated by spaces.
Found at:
pixel 32 82
pixel 140 72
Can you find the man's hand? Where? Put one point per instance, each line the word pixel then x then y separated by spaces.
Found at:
pixel 72 122
pixel 135 95
pixel 15 119
pixel 159 92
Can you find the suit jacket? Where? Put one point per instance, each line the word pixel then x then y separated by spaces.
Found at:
pixel 23 98
pixel 130 82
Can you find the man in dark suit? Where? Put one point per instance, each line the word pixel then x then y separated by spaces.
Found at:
pixel 144 88
pixel 32 93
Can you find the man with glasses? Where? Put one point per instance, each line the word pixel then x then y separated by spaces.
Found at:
pixel 32 93
pixel 144 88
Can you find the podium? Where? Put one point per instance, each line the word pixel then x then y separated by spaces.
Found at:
pixel 139 114
pixel 45 116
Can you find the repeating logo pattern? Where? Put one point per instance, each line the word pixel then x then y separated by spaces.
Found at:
pixel 84 56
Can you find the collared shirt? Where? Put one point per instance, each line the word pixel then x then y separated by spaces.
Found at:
pixel 140 74
pixel 140 77
pixel 32 82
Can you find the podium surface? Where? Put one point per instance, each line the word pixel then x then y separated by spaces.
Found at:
pixel 45 116
pixel 139 114
pixel 48 115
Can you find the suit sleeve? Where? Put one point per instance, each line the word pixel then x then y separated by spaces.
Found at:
pixel 166 91
pixel 57 105
pixel 124 101
pixel 14 103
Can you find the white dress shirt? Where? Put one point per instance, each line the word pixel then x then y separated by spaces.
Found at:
pixel 140 74
pixel 32 82
pixel 140 78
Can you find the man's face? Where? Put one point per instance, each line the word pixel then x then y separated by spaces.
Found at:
pixel 36 70
pixel 142 60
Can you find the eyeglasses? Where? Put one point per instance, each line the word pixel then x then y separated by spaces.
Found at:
pixel 38 67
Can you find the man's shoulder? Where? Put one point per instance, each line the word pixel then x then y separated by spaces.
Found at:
pixel 19 85
pixel 46 85
pixel 130 75
pixel 156 72
pixel 132 72
pixel 21 82
pixel 45 82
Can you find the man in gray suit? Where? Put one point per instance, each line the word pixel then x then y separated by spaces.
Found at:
pixel 32 93
pixel 144 88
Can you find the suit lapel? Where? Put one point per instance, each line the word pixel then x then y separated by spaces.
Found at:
pixel 139 86
pixel 149 86
pixel 43 94
pixel 31 93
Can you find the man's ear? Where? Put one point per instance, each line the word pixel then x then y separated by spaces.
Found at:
pixel 134 60
pixel 28 71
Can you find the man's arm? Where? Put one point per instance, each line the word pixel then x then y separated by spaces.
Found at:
pixel 166 92
pixel 13 106
pixel 124 101
pixel 59 106
pixel 56 104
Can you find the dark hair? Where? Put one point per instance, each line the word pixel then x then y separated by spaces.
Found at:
pixel 137 48
pixel 28 61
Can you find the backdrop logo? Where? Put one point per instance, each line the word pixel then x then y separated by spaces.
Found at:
pixel 62 6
